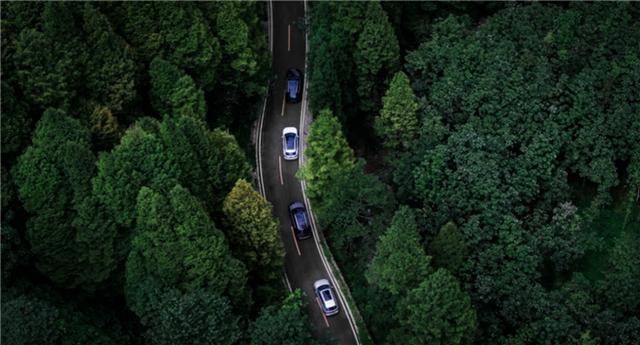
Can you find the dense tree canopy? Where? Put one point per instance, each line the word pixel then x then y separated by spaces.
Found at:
pixel 119 126
pixel 30 320
pixel 518 123
pixel 286 324
pixel 173 92
pixel 72 241
pixel 154 153
pixel 437 312
pixel 176 245
pixel 198 317
pixel 127 209
pixel 349 203
pixel 353 57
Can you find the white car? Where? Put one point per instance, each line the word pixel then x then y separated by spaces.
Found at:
pixel 290 143
pixel 326 297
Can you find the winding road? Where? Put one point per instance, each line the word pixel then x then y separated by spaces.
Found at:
pixel 303 261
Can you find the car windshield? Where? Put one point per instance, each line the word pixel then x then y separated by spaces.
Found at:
pixel 293 87
pixel 326 295
pixel 290 140
pixel 301 219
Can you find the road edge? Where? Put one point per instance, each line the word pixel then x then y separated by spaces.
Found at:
pixel 340 284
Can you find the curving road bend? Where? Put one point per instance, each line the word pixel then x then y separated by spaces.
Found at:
pixel 303 264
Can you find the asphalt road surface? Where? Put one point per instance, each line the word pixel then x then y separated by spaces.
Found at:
pixel 303 264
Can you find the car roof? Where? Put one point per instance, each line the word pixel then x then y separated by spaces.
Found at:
pixel 288 130
pixel 330 302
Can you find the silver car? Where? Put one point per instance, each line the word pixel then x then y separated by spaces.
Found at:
pixel 290 143
pixel 326 297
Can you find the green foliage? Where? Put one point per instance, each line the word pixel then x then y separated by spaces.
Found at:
pixel 448 248
pixel 400 263
pixel 65 65
pixel 180 34
pixel 105 130
pixel 623 276
pixel 398 123
pixel 353 53
pixel 376 56
pixel 53 179
pixel 67 221
pixel 173 92
pixel 16 123
pixel 110 70
pixel 47 62
pixel 176 245
pixel 254 233
pixel 437 312
pixel 137 161
pixel 328 154
pixel 286 324
pixel 188 100
pixel 350 205
pixel 178 149
pixel 33 320
pixel 534 101
pixel 197 317
pixel 235 24
pixel 164 77
pixel 562 240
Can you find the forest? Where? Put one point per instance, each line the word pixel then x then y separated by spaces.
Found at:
pixel 474 166
pixel 125 170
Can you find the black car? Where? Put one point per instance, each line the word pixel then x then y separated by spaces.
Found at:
pixel 300 220
pixel 294 81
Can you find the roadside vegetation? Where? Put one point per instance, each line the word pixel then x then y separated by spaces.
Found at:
pixel 127 217
pixel 476 168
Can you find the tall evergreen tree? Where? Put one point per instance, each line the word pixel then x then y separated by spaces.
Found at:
pixel 377 57
pixel 398 121
pixel 400 263
pixel 53 177
pixel 448 248
pixel 254 233
pixel 327 154
pixel 437 312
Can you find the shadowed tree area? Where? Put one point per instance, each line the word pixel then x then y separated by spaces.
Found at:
pixel 123 133
pixel 474 167
pixel 513 130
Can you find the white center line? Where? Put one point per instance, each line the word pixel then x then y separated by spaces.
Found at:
pixel 283 102
pixel 295 240
pixel 289 38
pixel 280 169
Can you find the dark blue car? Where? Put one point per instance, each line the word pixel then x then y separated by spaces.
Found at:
pixel 294 81
pixel 300 220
